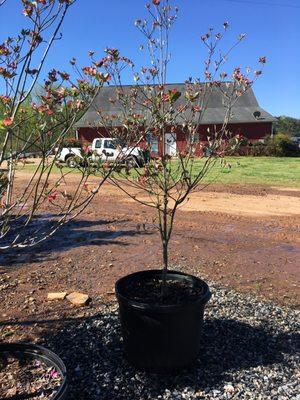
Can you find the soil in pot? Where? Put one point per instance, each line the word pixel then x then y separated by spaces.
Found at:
pixel 25 377
pixel 149 291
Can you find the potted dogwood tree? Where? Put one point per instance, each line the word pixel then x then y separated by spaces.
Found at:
pixel 162 310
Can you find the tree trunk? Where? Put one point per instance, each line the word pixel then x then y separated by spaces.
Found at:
pixel 165 268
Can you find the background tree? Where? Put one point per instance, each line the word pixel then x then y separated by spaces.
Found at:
pixel 42 123
pixel 287 125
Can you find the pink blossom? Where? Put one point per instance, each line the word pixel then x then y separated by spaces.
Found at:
pixel 28 11
pixel 5 99
pixel 52 196
pixel 8 121
pixel 53 374
pixel 86 149
pixel 4 51
pixel 262 60
pixel 64 75
pixel 90 71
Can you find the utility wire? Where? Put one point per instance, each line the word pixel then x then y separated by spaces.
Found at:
pixel 263 3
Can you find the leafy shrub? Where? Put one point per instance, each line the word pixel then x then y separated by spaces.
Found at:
pixel 258 149
pixel 237 146
pixel 281 146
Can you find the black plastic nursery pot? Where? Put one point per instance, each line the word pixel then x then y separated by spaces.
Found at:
pixel 161 338
pixel 36 352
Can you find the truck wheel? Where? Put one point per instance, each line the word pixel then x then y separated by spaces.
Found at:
pixel 131 162
pixel 71 162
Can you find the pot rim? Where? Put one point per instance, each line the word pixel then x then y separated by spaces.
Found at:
pixel 203 299
pixel 40 353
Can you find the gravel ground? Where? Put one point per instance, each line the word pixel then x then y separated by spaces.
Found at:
pixel 249 352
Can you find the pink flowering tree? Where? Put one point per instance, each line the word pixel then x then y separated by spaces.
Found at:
pixel 42 122
pixel 156 110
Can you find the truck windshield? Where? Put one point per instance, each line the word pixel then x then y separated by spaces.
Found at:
pixel 112 143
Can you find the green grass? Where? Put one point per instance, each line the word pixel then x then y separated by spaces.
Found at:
pixel 274 171
pixel 55 169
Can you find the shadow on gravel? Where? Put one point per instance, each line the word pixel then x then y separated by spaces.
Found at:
pixel 76 233
pixel 92 351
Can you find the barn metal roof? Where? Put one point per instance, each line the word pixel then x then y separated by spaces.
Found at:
pixel 242 111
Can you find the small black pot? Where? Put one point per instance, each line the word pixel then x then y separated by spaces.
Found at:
pixel 161 338
pixel 42 354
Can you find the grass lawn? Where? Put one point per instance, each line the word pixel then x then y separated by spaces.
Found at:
pixel 280 171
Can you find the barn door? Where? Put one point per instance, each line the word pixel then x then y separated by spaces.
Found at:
pixel 170 144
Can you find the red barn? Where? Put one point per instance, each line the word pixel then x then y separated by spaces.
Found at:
pixel 247 118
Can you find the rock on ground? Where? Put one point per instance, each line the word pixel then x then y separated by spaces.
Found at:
pixel 57 296
pixel 78 299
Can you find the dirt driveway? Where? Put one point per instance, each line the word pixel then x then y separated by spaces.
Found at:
pixel 243 237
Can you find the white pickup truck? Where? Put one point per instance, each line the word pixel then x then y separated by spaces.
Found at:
pixel 104 149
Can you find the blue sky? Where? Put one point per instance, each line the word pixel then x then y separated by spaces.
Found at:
pixel 272 28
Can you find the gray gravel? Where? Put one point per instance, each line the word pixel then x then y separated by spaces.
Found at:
pixel 249 352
